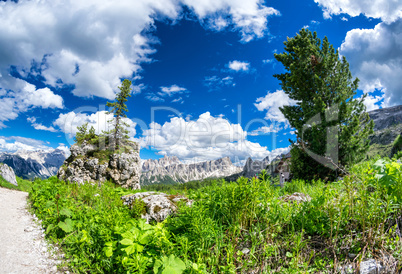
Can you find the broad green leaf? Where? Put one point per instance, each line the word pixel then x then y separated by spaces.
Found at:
pixel 126 242
pixel 169 265
pixel 108 251
pixel 67 226
pixel 66 212
pixel 130 249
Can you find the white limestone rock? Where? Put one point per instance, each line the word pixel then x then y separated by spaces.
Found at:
pixel 8 174
pixel 158 205
pixel 121 168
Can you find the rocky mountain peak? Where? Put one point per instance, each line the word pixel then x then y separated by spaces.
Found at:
pixel 171 169
pixel 31 164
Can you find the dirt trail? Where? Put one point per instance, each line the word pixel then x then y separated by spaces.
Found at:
pixel 22 245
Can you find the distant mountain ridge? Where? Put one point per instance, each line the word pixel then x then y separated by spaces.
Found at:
pixel 170 170
pixel 32 164
pixel 43 164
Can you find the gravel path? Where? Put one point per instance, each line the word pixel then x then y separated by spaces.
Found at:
pixel 22 245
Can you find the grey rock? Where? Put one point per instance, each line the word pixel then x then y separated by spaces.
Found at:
pixel 386 117
pixel 122 169
pixel 245 251
pixel 296 197
pixel 8 174
pixel 158 205
pixel 371 266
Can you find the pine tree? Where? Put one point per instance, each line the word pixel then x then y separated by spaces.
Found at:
pixel 119 109
pixel 327 117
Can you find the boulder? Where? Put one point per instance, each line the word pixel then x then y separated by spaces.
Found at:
pixel 8 174
pixel 369 266
pixel 84 165
pixel 296 197
pixel 158 205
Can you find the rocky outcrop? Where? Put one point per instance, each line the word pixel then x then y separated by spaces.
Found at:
pixel 387 265
pixel 32 164
pixel 158 205
pixel 89 164
pixel 8 174
pixel 170 170
pixel 296 197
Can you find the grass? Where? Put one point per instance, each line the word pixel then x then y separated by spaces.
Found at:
pixel 23 185
pixel 232 227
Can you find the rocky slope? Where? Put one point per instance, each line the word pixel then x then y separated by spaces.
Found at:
pixel 171 170
pixel 88 163
pixel 31 164
pixel 387 126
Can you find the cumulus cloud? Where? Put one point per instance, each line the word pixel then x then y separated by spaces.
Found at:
pixel 92 44
pixel 387 11
pixel 26 97
pixel 169 91
pixel 16 143
pixel 372 102
pixel 271 104
pixel 249 17
pixel 69 122
pixel 375 57
pixel 205 138
pixel 239 65
pixel 39 126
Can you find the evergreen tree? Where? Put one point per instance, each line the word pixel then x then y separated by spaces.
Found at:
pixel 328 120
pixel 119 109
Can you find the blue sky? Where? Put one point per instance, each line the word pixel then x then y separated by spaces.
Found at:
pixel 202 71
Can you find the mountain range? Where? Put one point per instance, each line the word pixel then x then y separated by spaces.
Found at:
pixel 170 170
pixel 32 164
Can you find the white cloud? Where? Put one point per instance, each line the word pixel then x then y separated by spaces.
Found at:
pixel 239 65
pixel 273 128
pixel 178 100
pixel 16 143
pixel 205 138
pixel 14 102
pixel 93 44
pixel 386 10
pixel 375 57
pixel 249 17
pixel 65 149
pixel 169 91
pixel 271 104
pixel 69 122
pixel 371 102
pixel 215 82
pixel 152 97
pixel 137 89
pixel 38 126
